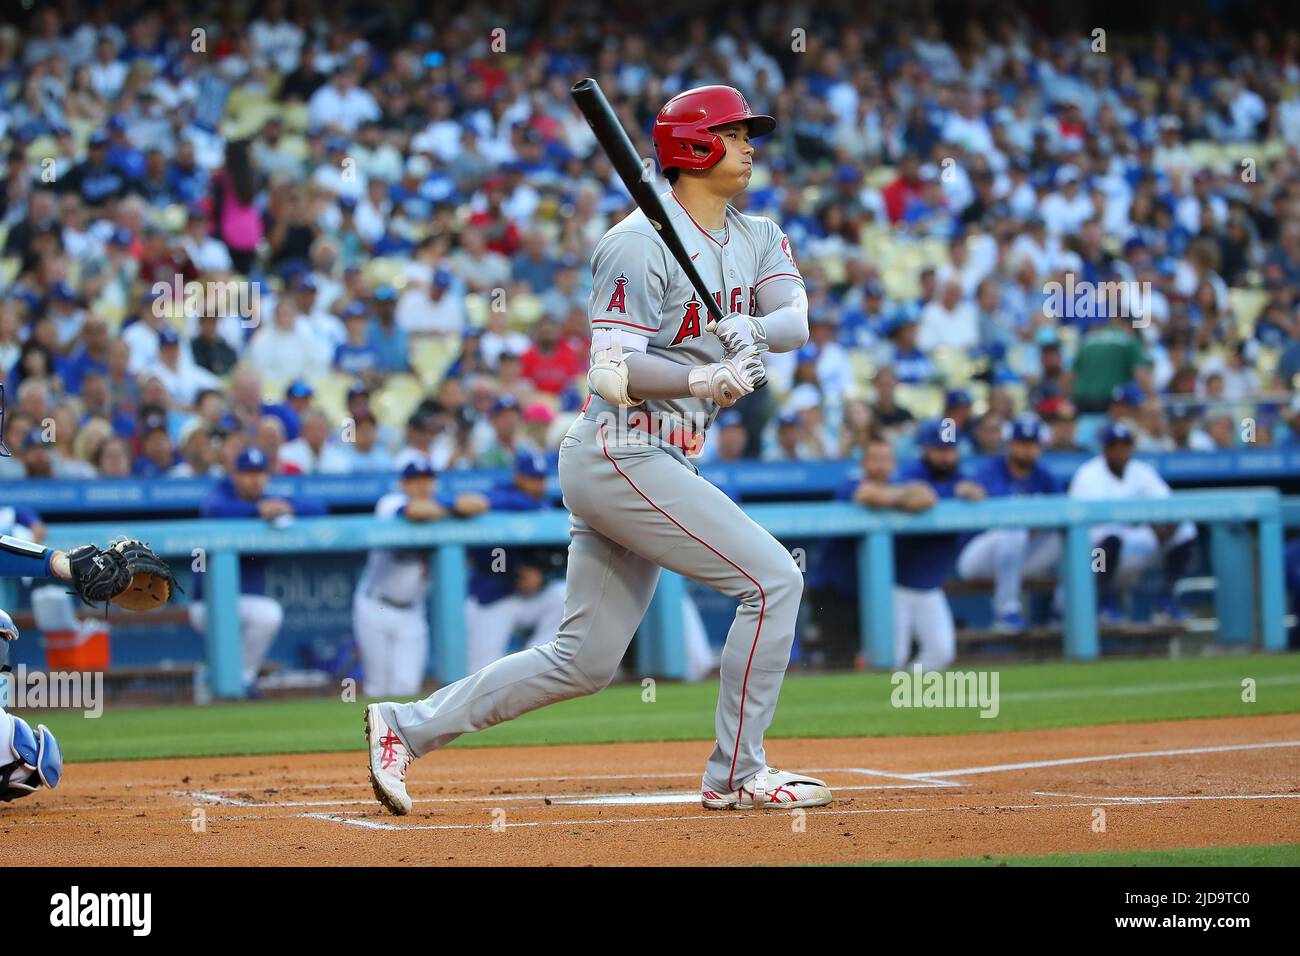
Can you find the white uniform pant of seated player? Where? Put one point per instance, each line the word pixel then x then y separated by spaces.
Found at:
pixel 260 618
pixel 635 507
pixel 1139 547
pixel 1006 556
pixel 490 627
pixel 393 643
pixel 923 614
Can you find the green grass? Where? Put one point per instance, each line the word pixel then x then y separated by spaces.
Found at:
pixel 1287 854
pixel 1032 696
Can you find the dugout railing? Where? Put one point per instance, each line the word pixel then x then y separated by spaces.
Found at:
pixel 1245 548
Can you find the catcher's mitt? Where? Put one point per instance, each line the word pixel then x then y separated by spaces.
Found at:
pixel 129 574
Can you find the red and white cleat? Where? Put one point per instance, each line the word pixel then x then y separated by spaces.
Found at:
pixel 389 759
pixel 771 789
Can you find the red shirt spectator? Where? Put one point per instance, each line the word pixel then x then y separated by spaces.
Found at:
pixel 901 191
pixel 552 363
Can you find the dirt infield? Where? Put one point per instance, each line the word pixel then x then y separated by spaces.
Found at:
pixel 1177 784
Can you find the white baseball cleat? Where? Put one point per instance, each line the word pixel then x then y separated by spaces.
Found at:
pixel 771 789
pixel 389 759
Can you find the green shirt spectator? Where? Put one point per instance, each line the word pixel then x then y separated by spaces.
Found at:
pixel 1108 357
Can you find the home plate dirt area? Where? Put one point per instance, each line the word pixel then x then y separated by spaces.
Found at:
pixel 1174 784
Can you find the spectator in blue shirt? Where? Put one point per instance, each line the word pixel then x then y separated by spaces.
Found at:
pixel 387 337
pixel 358 354
pixel 1007 555
pixel 910 364
pixel 92 357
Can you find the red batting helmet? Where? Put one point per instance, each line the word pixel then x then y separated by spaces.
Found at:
pixel 687 119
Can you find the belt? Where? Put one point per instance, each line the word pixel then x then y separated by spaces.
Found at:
pixel 380 599
pixel 668 430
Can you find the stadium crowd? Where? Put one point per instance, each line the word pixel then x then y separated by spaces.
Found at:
pixel 401 218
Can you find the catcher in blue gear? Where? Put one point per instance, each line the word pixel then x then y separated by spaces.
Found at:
pixel 29 759
pixel 127 573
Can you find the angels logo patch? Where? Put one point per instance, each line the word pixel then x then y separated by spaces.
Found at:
pixel 618 301
pixel 785 247
pixel 690 327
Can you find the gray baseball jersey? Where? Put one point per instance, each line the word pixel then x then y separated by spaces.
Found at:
pixel 639 506
pixel 638 287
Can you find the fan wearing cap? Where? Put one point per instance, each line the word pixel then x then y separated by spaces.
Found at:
pixel 923 562
pixel 1006 556
pixel 911 365
pixel 243 494
pixel 730 438
pixel 357 354
pixel 958 410
pixel 427 438
pixel 386 335
pixel 141 333
pixel 95 179
pixel 176 369
pixel 312 305
pixel 431 303
pixel 390 606
pixel 507 437
pixel 1125 403
pixel 63 305
pixel 1129 550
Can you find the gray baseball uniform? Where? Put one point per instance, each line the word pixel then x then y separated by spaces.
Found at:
pixel 638 504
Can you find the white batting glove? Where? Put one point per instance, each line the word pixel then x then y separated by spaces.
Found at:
pixel 727 381
pixel 736 331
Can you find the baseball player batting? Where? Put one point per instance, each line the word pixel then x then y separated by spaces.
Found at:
pixel 637 503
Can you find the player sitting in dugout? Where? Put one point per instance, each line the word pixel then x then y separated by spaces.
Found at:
pixel 243 495
pixel 390 610
pixel 921 561
pixel 509 590
pixel 1127 551
pixel 1006 556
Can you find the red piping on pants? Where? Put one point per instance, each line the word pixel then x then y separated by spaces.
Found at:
pixel 762 596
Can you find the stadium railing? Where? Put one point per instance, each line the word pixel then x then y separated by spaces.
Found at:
pixel 1245 549
pixel 769 480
